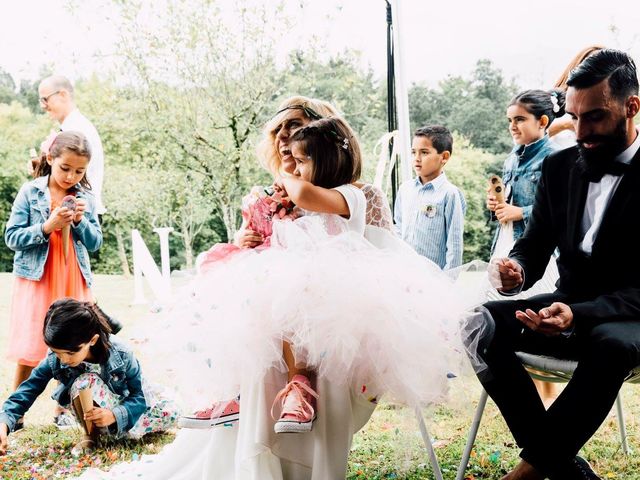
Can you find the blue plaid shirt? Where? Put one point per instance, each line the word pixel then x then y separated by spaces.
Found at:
pixel 430 218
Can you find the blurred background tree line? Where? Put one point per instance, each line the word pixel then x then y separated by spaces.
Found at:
pixel 181 117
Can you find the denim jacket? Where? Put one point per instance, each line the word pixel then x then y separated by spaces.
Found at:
pixel 521 173
pixel 24 234
pixel 121 373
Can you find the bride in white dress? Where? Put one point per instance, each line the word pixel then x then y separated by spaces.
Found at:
pixel 352 286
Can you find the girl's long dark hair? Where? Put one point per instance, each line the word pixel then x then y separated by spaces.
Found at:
pixel 70 323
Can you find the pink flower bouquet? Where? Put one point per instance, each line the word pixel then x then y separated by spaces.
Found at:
pixel 259 208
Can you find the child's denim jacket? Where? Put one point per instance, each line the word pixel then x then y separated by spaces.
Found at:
pixel 121 373
pixel 24 235
pixel 521 175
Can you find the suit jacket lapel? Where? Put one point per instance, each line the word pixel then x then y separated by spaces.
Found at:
pixel 577 196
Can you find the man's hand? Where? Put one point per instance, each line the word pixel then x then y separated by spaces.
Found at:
pixel 551 320
pixel 506 213
pixel 101 417
pixel 505 274
pixel 4 438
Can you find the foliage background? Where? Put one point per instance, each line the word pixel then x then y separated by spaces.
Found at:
pixel 181 117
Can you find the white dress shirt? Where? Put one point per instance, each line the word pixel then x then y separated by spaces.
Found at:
pixel 76 121
pixel 598 197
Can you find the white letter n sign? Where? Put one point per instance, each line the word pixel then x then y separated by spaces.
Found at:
pixel 143 263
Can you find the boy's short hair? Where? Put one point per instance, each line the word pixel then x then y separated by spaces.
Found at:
pixel 440 137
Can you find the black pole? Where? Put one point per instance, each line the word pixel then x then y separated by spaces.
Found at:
pixel 392 119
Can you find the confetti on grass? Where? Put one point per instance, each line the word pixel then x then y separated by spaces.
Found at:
pixel 43 453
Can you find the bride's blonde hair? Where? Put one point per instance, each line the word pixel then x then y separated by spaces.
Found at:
pixel 268 155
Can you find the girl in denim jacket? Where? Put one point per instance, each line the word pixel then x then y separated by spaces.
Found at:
pixel 83 356
pixel 529 114
pixel 51 243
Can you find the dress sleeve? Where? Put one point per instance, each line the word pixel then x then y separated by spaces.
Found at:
pixel 378 210
pixel 357 204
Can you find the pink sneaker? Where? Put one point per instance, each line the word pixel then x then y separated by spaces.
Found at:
pixel 297 413
pixel 218 414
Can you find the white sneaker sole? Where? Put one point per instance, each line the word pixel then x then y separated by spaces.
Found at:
pixel 194 423
pixel 288 426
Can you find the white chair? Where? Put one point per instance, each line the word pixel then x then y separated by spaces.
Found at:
pixel 549 369
pixel 433 460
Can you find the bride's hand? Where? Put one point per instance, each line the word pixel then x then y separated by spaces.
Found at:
pixel 247 238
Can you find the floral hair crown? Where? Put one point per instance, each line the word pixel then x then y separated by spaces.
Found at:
pixel 308 111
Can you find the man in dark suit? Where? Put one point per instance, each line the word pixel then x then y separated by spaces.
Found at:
pixel 587 206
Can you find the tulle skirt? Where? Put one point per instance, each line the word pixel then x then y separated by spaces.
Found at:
pixel 381 318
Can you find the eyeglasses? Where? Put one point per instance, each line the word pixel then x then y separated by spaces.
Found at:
pixel 45 100
pixel 308 111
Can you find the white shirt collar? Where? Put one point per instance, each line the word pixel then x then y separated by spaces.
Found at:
pixel 630 152
pixel 435 183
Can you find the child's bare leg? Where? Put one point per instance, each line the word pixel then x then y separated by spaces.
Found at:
pixel 22 373
pixel 293 368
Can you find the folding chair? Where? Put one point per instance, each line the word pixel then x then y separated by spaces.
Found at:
pixel 433 460
pixel 549 369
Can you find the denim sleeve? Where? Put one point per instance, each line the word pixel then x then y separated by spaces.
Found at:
pixel 88 231
pixel 21 400
pixel 134 405
pixel 454 218
pixel 526 213
pixel 397 215
pixel 20 234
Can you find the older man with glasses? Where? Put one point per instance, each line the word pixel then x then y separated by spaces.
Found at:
pixel 57 99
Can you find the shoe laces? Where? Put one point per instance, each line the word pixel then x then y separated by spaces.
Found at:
pixel 294 401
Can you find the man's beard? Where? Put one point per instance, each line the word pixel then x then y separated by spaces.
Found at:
pixel 597 160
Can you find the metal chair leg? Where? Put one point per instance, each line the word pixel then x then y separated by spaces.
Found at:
pixel 473 432
pixel 427 442
pixel 621 425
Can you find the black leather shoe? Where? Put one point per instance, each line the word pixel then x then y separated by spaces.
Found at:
pixel 114 323
pixel 577 469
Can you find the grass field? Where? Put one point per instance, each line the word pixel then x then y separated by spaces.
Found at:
pixel 389 447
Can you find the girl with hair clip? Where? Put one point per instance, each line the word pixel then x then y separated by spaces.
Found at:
pixel 82 356
pixel 52 228
pixel 529 115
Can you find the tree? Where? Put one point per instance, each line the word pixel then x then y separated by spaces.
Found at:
pixel 469 169
pixel 20 131
pixel 207 84
pixel 473 107
pixel 7 87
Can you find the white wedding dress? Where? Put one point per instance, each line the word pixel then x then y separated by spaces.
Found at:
pixel 358 305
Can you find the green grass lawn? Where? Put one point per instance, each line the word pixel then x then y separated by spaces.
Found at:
pixel 389 447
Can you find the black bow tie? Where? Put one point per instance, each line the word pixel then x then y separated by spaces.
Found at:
pixel 596 170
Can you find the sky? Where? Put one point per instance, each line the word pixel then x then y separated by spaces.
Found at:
pixel 530 41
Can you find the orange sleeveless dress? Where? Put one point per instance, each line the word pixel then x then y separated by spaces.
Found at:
pixel 31 300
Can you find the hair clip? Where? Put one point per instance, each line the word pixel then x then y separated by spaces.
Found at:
pixel 45 146
pixel 554 102
pixel 345 143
